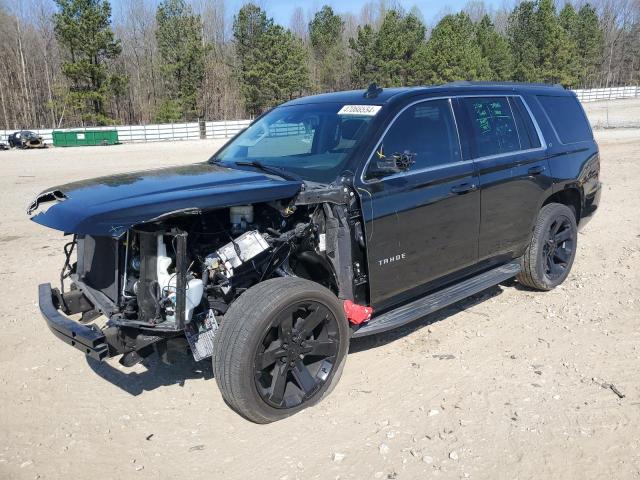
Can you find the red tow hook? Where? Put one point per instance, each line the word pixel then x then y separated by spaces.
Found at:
pixel 357 314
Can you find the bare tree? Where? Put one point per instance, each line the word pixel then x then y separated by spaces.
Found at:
pixel 298 24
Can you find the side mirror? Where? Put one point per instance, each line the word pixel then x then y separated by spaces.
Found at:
pixel 392 164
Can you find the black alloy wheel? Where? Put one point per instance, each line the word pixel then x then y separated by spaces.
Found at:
pixel 280 348
pixel 558 249
pixel 549 257
pixel 297 354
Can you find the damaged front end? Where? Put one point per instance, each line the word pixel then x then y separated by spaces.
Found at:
pixel 171 279
pixel 26 139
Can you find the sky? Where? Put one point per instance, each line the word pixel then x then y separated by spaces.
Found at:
pixel 281 10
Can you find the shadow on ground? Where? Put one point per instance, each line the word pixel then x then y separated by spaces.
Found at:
pixel 158 374
pixel 380 339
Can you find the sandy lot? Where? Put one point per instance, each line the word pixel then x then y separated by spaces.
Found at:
pixel 614 113
pixel 507 384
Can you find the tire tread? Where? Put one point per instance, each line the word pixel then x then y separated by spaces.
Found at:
pixel 529 275
pixel 244 317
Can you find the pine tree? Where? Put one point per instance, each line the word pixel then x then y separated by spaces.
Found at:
pixel 451 53
pixel 569 20
pixel 182 53
pixel 249 29
pixel 365 65
pixel 521 32
pixel 589 43
pixel 249 25
pixel 386 56
pixel 272 61
pixel 396 44
pixel 495 49
pixel 557 51
pixel 326 36
pixel 284 66
pixel 83 29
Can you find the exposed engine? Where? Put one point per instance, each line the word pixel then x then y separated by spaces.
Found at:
pixel 179 275
pixel 183 273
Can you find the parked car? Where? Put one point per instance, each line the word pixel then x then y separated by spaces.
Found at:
pixel 330 217
pixel 26 139
pixel 4 146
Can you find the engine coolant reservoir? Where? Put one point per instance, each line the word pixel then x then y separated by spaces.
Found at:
pixel 167 282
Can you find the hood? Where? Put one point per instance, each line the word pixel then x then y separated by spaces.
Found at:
pixel 110 205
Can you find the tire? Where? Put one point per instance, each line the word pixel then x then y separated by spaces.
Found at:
pixel 255 331
pixel 549 257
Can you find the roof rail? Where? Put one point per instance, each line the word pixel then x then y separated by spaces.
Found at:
pixel 461 83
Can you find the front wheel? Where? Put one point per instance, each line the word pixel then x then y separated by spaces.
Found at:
pixel 549 257
pixel 281 348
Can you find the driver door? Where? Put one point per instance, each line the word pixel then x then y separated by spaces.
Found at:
pixel 421 224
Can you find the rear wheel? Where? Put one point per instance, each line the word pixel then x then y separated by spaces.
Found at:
pixel 281 348
pixel 549 257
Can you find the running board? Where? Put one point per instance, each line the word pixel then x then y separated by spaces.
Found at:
pixel 438 300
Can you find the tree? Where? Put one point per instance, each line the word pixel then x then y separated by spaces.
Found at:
pixel 83 29
pixel 399 38
pixel 557 51
pixel 220 98
pixel 139 59
pixel 81 67
pixel 182 51
pixel 297 24
pixel 271 60
pixel 364 69
pixel 495 49
pixel 249 26
pixel 325 33
pixel 451 53
pixel 583 28
pixel 569 20
pixel 521 33
pixel 386 56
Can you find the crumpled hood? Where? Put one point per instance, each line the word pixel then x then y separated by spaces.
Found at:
pixel 110 205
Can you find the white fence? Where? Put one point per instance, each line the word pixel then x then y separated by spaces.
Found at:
pixel 156 133
pixel 227 129
pixel 595 94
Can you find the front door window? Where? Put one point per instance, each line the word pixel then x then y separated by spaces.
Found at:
pixel 424 134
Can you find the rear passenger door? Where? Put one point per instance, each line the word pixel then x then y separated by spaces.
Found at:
pixel 510 156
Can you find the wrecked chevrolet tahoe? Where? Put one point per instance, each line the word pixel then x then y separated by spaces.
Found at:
pixel 330 217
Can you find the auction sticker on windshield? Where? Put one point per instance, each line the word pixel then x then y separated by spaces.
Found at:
pixel 370 110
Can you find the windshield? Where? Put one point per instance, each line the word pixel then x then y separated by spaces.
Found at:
pixel 311 141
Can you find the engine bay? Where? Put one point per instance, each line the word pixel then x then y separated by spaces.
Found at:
pixel 181 274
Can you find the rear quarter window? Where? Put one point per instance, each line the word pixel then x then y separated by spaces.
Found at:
pixel 567 118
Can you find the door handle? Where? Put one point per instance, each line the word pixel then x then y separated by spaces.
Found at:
pixel 464 188
pixel 537 170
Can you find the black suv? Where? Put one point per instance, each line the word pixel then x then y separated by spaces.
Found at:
pixel 330 217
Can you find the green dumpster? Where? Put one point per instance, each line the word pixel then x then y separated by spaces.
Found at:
pixel 78 138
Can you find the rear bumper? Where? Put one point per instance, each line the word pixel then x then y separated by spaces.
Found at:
pixel 90 341
pixel 591 203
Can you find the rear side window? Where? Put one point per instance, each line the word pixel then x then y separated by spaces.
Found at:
pixel 526 130
pixel 493 128
pixel 567 118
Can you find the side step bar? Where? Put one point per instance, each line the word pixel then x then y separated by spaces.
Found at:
pixel 438 300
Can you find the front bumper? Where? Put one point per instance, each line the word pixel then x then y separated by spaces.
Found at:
pixel 90 341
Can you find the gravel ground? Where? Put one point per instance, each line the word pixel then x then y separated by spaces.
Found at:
pixel 508 384
pixel 614 113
